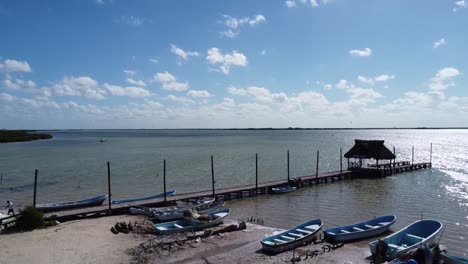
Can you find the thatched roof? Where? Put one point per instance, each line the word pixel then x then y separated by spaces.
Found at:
pixel 369 149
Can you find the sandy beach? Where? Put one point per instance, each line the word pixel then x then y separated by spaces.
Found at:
pixel 90 241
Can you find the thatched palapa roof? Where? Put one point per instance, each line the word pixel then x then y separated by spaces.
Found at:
pixel 369 149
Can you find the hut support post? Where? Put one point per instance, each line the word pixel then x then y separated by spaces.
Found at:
pixel 288 166
pixel 164 181
pixel 256 173
pixel 35 187
pixel 109 187
pixel 317 166
pixel 212 176
pixel 341 161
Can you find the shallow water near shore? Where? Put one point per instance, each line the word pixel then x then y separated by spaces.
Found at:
pixel 73 166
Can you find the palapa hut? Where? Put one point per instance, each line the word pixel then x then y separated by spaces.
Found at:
pixel 368 149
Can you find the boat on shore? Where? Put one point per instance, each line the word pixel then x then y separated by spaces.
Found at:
pixel 421 232
pixel 452 259
pixel 292 238
pixel 185 225
pixel 283 189
pixel 163 216
pixel 94 201
pixel 160 195
pixel 151 211
pixel 360 230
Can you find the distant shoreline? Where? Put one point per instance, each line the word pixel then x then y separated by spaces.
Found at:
pixel 10 136
pixel 261 129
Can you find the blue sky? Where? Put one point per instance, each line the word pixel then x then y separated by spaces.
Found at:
pixel 221 64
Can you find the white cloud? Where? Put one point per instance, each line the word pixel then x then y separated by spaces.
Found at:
pixel 225 61
pixel 178 99
pixel 199 94
pixel 130 73
pixel 79 86
pixel 343 84
pixel 372 80
pixel 136 82
pixel 155 61
pixel 7 97
pixel 20 85
pixel 9 66
pixel 290 3
pixel 169 82
pixel 312 3
pixel 132 20
pixel 361 53
pixel 126 91
pixel 235 24
pixel 362 96
pixel 88 109
pixel 183 54
pixel 441 42
pixel 439 81
pixel 459 5
pixel 365 80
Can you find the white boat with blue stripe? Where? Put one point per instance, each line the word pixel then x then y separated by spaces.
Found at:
pixel 360 230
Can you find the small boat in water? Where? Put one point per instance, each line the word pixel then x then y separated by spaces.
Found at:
pixel 215 218
pixel 283 189
pixel 160 195
pixel 421 232
pixel 179 213
pixel 451 259
pixel 360 230
pixel 292 238
pixel 94 201
pixel 151 211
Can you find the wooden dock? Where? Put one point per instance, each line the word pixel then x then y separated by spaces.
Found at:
pixel 240 192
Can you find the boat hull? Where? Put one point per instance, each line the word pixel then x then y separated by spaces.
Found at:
pixel 292 238
pixel 94 201
pixel 179 213
pixel 449 259
pixel 360 230
pixel 160 195
pixel 283 189
pixel 418 233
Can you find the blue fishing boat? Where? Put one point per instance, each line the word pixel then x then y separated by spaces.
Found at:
pixel 160 195
pixel 360 230
pixel 283 189
pixel 94 201
pixel 451 259
pixel 421 232
pixel 185 225
pixel 292 238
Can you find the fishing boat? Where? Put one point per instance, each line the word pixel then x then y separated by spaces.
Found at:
pixel 186 225
pixel 292 238
pixel 163 216
pixel 360 230
pixel 6 219
pixel 421 232
pixel 94 201
pixel 151 211
pixel 160 195
pixel 451 259
pixel 283 189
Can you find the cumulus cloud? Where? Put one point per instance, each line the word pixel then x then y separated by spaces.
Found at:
pixel 199 94
pixel 133 21
pixel 439 43
pixel 169 82
pixel 363 96
pixel 225 61
pixel 136 82
pixel 372 80
pixel 180 99
pixel 361 53
pixel 312 3
pixel 459 5
pixel 7 97
pixel 439 81
pixel 343 84
pixel 126 91
pixel 10 66
pixel 181 54
pixel 152 60
pixel 79 86
pixel 233 25
pixel 19 85
pixel 365 80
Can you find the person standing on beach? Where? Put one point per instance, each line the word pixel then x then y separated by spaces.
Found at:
pixel 10 207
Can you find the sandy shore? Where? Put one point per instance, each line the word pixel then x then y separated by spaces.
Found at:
pixel 90 241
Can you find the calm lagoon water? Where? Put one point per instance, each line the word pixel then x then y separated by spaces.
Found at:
pixel 73 166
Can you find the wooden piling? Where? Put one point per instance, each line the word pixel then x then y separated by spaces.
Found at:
pixel 164 181
pixel 1 178
pixel 341 161
pixel 212 176
pixel 288 165
pixel 256 173
pixel 394 160
pixel 317 166
pixel 430 156
pixel 412 155
pixel 35 187
pixel 109 188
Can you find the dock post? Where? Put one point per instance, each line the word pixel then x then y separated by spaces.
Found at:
pixel 341 161
pixel 430 156
pixel 288 166
pixel 1 178
pixel 212 176
pixel 35 187
pixel 412 155
pixel 256 173
pixel 109 187
pixel 164 181
pixel 394 160
pixel 317 167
